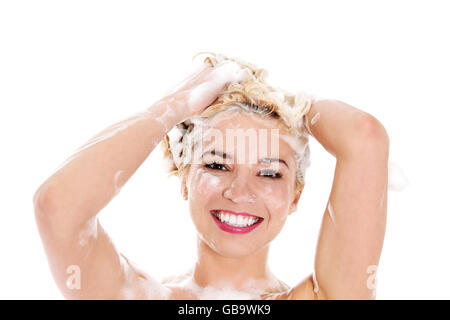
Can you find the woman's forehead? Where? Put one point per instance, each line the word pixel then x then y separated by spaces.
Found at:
pixel 236 123
pixel 247 137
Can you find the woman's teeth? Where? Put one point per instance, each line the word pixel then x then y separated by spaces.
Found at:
pixel 236 220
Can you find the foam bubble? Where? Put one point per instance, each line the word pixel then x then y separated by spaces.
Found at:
pixel 89 231
pixel 315 118
pixel 315 283
pixel 117 187
pixel 397 179
pixel 139 285
pixel 223 73
pixel 330 212
pixel 251 290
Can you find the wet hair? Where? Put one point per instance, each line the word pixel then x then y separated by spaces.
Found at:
pixel 254 96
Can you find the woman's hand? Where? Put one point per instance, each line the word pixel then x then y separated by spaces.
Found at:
pixel 202 88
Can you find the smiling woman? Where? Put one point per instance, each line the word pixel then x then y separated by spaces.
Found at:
pixel 239 194
pixel 239 206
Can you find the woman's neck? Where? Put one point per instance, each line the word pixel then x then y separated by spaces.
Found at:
pixel 250 272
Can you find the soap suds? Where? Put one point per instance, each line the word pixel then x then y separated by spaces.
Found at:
pixel 299 144
pixel 396 177
pixel 139 285
pixel 330 212
pixel 208 181
pixel 315 284
pixel 251 290
pixel 117 187
pixel 89 231
pixel 172 105
pixel 315 118
pixel 226 292
pixel 225 72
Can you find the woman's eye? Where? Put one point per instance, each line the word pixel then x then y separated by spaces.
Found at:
pixel 215 166
pixel 264 173
pixel 271 174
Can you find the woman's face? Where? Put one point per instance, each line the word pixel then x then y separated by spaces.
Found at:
pixel 236 171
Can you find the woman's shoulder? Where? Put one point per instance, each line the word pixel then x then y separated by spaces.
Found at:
pixel 305 290
pixel 178 286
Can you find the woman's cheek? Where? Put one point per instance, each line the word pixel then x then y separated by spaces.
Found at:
pixel 273 193
pixel 208 180
pixel 204 183
pixel 275 197
pixel 204 190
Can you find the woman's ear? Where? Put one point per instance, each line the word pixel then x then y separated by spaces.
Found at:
pixel 294 202
pixel 184 189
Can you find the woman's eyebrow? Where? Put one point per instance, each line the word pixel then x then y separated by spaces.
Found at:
pixel 218 153
pixel 226 156
pixel 273 160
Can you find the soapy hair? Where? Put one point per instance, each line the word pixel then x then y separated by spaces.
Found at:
pixel 253 96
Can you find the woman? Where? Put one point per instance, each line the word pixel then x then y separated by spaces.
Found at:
pixel 238 202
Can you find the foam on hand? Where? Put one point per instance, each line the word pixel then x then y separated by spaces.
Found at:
pixel 225 72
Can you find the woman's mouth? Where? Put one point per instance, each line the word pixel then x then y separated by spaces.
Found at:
pixel 234 222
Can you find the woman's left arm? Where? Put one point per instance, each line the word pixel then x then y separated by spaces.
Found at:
pixel 354 222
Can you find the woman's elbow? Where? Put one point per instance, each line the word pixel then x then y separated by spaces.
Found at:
pixel 371 136
pixel 44 199
pixel 48 209
pixel 44 208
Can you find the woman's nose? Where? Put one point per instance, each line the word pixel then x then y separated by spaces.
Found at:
pixel 239 191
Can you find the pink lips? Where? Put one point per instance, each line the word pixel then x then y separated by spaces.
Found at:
pixel 231 229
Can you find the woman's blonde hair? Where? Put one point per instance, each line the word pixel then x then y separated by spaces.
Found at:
pixel 256 96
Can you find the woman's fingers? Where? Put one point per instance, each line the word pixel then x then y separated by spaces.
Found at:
pixel 204 88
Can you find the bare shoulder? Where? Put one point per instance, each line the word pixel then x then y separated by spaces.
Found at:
pixel 177 286
pixel 138 285
pixel 303 291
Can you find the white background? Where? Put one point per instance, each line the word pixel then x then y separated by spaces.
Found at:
pixel 68 69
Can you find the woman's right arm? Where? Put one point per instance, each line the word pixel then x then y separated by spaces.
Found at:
pixel 82 258
pixel 67 203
